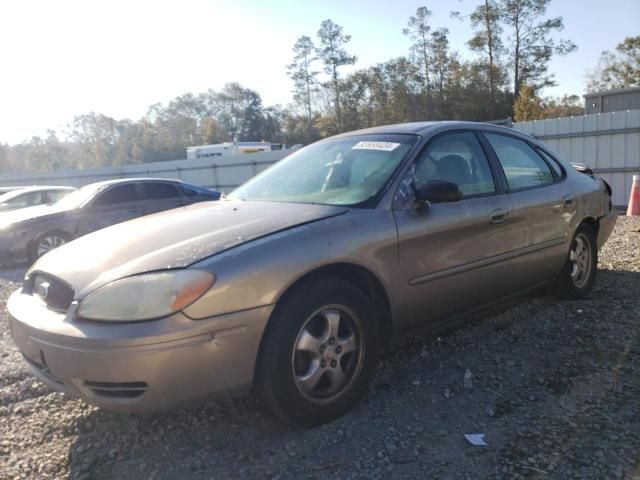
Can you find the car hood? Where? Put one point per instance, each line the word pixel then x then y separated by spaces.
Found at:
pixel 172 239
pixel 12 217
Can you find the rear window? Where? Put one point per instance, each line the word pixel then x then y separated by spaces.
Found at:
pixel 188 191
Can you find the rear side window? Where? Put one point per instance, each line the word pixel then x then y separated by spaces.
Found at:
pixel 522 166
pixel 457 158
pixel 551 161
pixel 159 191
pixel 118 194
pixel 26 200
pixel 54 195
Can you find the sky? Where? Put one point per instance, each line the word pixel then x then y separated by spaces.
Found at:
pixel 68 57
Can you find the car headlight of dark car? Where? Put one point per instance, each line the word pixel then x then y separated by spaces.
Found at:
pixel 147 296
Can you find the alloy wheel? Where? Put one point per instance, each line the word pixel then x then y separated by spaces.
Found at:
pixel 327 354
pixel 580 258
pixel 49 243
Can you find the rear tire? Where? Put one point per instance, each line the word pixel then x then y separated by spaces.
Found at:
pixel 579 272
pixel 318 354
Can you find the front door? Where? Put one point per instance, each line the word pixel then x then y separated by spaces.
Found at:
pixel 455 255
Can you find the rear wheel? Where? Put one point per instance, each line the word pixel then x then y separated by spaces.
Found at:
pixel 47 242
pixel 579 272
pixel 319 353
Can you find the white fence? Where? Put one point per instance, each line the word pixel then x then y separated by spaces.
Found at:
pixel 609 143
pixel 222 174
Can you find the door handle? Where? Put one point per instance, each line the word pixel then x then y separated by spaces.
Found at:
pixel 132 209
pixel 568 200
pixel 498 216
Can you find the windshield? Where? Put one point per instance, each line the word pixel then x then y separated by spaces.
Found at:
pixel 339 171
pixel 78 197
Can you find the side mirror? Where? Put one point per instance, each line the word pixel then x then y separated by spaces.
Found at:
pixel 438 191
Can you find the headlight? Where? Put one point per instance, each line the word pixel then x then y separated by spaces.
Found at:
pixel 146 296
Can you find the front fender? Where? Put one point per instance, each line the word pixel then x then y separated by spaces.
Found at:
pixel 258 273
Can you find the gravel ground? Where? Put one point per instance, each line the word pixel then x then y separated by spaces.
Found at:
pixel 555 386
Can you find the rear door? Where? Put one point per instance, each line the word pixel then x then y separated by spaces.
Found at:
pixel 115 204
pixel 160 196
pixel 543 207
pixel 455 255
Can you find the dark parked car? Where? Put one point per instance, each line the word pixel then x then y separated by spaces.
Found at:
pixel 32 196
pixel 292 285
pixel 32 232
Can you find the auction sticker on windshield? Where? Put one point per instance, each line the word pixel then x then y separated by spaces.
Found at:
pixel 385 146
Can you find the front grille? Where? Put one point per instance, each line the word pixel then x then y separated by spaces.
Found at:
pixel 127 390
pixel 55 293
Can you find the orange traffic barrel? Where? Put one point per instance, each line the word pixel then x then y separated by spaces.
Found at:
pixel 634 198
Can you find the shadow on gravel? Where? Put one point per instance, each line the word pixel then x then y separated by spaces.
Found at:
pixel 553 384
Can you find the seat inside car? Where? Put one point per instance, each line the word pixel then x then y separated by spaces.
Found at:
pixel 453 168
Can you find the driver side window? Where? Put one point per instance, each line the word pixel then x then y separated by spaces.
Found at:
pixel 117 194
pixel 457 158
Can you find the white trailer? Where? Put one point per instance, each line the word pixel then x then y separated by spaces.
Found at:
pixel 226 148
pixel 211 151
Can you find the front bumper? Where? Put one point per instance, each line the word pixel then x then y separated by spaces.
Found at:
pixel 144 366
pixel 13 246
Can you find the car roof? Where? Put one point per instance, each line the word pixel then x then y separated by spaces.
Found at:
pixel 119 181
pixel 39 188
pixel 422 128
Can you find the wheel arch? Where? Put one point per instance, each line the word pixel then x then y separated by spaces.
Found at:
pixel 361 277
pixel 594 223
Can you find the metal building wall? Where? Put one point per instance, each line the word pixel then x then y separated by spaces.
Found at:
pixel 607 142
pixel 223 173
pixel 612 100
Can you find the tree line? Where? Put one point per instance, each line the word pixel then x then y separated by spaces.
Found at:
pixel 512 44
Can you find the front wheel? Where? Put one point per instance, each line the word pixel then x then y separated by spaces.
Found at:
pixel 319 353
pixel 47 242
pixel 579 272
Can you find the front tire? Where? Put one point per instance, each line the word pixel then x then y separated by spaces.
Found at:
pixel 579 271
pixel 319 353
pixel 47 242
